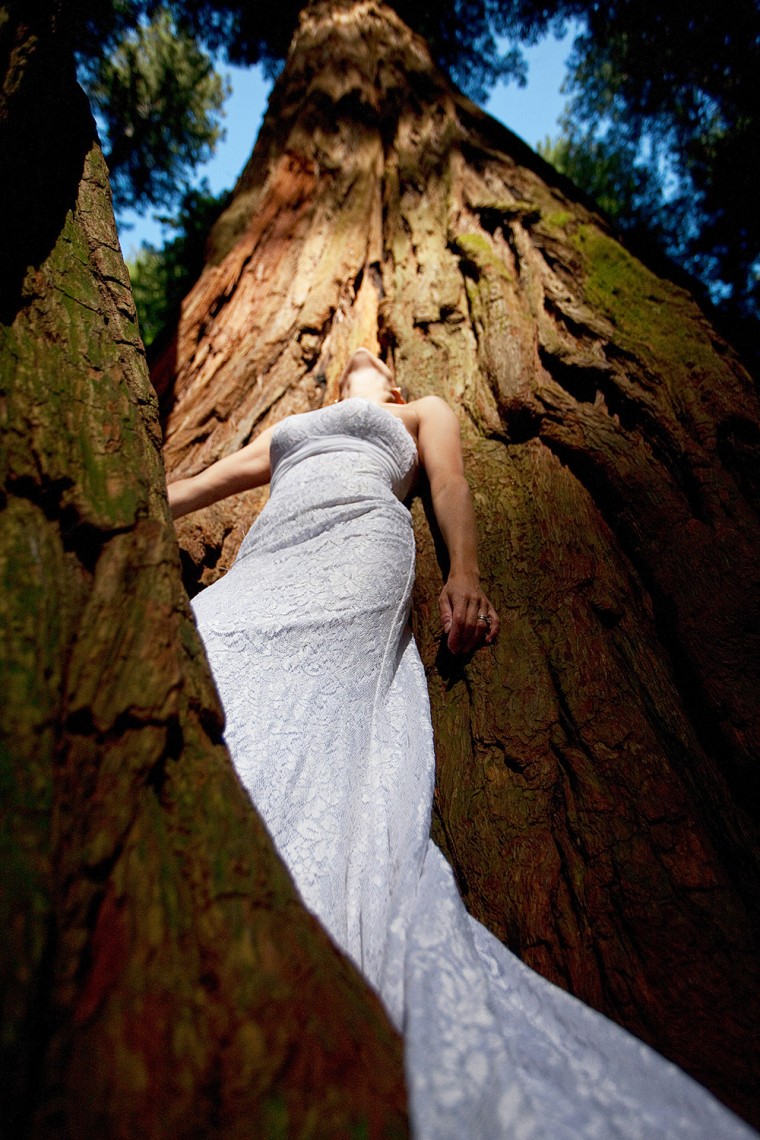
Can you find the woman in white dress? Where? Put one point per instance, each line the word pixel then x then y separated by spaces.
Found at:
pixel 468 617
pixel 328 726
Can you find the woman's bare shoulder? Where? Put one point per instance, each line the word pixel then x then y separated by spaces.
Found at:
pixel 432 409
pixel 429 402
pixel 427 415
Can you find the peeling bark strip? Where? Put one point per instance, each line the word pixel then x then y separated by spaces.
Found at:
pixel 160 976
pixel 597 770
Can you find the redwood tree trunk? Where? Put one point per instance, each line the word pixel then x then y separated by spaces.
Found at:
pixel 596 770
pixel 160 977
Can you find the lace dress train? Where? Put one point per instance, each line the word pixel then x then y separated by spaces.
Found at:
pixel 328 725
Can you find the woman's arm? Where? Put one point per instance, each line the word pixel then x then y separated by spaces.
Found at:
pixel 462 601
pixel 248 467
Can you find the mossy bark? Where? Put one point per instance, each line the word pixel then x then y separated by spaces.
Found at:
pixel 160 976
pixel 597 769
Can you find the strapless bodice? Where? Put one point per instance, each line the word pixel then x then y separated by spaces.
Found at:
pixel 354 425
pixel 331 466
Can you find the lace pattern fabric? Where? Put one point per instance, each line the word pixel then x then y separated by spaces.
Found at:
pixel 328 725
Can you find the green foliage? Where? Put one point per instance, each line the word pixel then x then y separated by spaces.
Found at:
pixel 159 101
pixel 161 277
pixel 681 81
pixel 625 188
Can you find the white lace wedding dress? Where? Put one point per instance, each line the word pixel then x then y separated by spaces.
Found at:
pixel 328 725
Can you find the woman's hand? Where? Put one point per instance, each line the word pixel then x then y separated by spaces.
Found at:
pixel 469 620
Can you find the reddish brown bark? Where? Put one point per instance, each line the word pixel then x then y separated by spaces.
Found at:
pixel 160 976
pixel 597 769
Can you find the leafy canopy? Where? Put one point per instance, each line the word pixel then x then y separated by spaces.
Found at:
pixel 159 101
pixel 671 91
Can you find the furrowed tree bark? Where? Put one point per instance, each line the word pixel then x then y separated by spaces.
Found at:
pixel 160 975
pixel 597 770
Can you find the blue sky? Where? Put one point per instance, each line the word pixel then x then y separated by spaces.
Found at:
pixel 530 111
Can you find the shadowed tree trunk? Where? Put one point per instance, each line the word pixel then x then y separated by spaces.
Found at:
pixel 160 976
pixel 597 770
